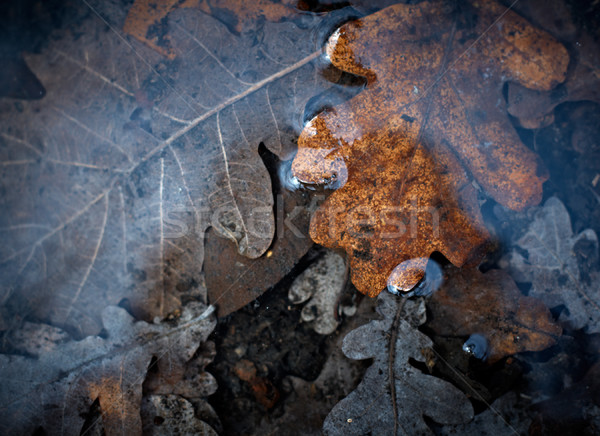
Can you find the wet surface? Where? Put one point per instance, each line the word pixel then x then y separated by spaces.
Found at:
pixel 165 173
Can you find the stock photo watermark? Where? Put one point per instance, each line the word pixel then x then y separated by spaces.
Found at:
pixel 266 222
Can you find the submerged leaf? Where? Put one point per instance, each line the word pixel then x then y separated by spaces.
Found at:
pixel 505 417
pixel 534 109
pixel 170 415
pixel 321 286
pixel 234 280
pixel 491 306
pixel 575 409
pixel 110 181
pixel 56 390
pixel 431 126
pixel 394 396
pixel 145 17
pixel 546 257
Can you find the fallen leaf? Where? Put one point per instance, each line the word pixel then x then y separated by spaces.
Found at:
pixel 55 391
pixel 170 415
pixel 553 16
pixel 545 256
pixel 505 417
pixel 490 304
pixel 307 402
pixel 264 391
pixel 394 396
pixel 110 181
pixel 189 381
pixel 534 109
pixel 145 17
pixel 321 287
pixel 409 151
pixel 234 280
pixel 575 410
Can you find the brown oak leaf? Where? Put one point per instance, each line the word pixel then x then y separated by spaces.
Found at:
pixel 492 306
pixel 233 280
pixel 410 151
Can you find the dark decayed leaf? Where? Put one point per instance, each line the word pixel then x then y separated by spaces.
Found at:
pixel 492 306
pixel 553 16
pixel 576 410
pixel 546 256
pixel 394 396
pixel 505 417
pixel 56 389
pixel 234 280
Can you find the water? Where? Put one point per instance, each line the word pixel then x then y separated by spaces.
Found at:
pixel 156 157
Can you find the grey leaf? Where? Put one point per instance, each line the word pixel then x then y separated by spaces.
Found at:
pixel 171 415
pixel 110 181
pixel 55 390
pixel 552 267
pixel 322 285
pixel 394 396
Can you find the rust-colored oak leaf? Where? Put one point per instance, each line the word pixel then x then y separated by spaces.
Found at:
pixel 491 305
pixel 411 151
